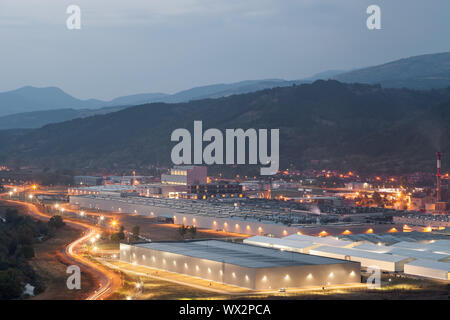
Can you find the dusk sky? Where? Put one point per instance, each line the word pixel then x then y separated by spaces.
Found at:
pixel 135 46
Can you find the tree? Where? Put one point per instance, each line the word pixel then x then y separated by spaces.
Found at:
pixel 182 230
pixel 121 233
pixel 193 231
pixel 135 233
pixel 118 236
pixel 56 222
pixel 28 251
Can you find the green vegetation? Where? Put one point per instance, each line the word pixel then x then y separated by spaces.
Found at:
pixel 325 124
pixel 118 236
pixel 184 230
pixel 135 233
pixel 18 234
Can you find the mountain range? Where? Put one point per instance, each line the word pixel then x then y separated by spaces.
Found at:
pixel 326 124
pixel 30 107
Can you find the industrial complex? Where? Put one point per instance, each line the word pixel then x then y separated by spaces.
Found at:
pixel 242 265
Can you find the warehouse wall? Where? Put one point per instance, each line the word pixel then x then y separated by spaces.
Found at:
pixel 427 272
pixel 232 225
pixel 120 205
pixel 251 278
pixel 192 266
pixel 307 276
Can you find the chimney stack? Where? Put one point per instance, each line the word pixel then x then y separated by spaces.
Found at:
pixel 438 177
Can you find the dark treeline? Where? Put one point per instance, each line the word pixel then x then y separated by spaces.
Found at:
pixel 18 234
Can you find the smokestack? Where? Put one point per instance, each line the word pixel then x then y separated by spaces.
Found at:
pixel 438 177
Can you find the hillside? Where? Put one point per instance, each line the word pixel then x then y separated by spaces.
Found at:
pixel 37 119
pixel 348 126
pixel 31 99
pixel 418 72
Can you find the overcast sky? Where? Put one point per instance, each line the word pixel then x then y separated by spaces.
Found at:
pixel 136 46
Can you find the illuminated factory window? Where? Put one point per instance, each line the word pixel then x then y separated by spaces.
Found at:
pixel 197 268
pixel 246 277
pixel 185 265
pixel 209 270
pixel 331 275
pixel 352 273
pixel 264 278
pixel 309 276
pixel 286 277
pixel 234 275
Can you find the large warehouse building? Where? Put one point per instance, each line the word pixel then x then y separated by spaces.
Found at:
pixel 242 265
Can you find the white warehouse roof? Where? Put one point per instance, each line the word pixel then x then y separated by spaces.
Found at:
pixel 429 269
pixel 284 244
pixel 367 259
pixel 426 255
pixel 330 241
pixel 372 247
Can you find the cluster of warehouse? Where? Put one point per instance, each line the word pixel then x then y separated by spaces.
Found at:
pixel 242 265
pixel 429 259
pixel 243 217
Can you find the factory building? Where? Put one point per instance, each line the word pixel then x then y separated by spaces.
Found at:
pixel 282 244
pixel 322 240
pixel 428 269
pixel 88 181
pixel 242 265
pixel 214 190
pixel 385 262
pixel 388 258
pixel 185 175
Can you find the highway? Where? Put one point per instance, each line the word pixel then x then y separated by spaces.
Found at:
pixel 108 281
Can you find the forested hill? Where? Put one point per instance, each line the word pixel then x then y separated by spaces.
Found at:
pixel 326 124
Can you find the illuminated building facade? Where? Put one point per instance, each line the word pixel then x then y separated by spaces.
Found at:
pixel 242 265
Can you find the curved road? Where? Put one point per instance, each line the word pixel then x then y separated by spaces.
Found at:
pixel 108 280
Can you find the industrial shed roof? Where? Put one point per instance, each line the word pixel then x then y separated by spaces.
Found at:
pixel 321 240
pixel 279 243
pixel 358 253
pixel 426 255
pixel 372 247
pixel 239 254
pixel 445 266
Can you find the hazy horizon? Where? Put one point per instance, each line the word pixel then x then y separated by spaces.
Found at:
pixel 134 47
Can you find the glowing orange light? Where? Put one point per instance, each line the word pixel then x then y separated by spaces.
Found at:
pixel 393 230
pixel 347 232
pixel 369 230
pixel 323 233
pixel 427 229
pixel 406 228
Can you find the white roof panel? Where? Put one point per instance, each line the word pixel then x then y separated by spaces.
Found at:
pixel 359 253
pixel 319 240
pixel 426 255
pixel 445 266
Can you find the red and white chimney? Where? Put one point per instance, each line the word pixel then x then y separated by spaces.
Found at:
pixel 438 177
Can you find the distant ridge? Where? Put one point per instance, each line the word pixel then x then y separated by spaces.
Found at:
pixel 429 71
pixel 50 105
